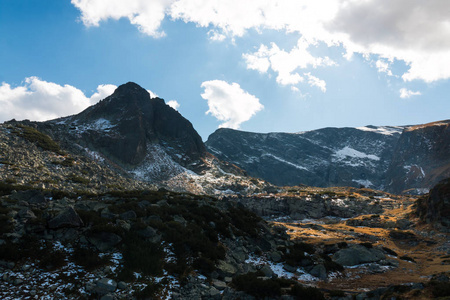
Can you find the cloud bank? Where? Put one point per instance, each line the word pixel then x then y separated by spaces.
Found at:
pixel 229 103
pixel 405 30
pixel 40 100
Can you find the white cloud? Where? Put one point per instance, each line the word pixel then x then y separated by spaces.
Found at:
pixel 383 67
pixel 229 103
pixel 405 93
pixel 406 30
pixel 214 35
pixel 146 15
pixel 40 100
pixel 285 63
pixel 174 104
pixel 314 81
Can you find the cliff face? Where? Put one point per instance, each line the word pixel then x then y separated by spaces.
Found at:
pixel 421 158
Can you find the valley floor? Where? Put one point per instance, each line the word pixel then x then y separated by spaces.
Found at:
pixel 418 253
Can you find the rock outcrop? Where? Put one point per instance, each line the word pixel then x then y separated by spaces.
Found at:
pixel 435 207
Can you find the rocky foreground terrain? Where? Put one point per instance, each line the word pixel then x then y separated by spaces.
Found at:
pixel 139 244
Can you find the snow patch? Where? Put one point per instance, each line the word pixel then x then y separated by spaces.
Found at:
pixel 94 155
pixel 349 153
pixel 285 161
pixel 364 182
pixel 385 130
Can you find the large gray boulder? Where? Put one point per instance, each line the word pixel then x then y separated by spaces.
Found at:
pixel 357 254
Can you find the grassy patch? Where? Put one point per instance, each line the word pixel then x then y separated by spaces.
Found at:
pixel 40 139
pixel 253 284
pixel 78 179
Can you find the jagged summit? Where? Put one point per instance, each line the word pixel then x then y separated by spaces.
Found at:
pixel 144 138
pixel 123 125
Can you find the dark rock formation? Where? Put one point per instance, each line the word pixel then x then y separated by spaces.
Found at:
pixel 357 254
pixel 124 124
pixel 435 207
pixel 421 158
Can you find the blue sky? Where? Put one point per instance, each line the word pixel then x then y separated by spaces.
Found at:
pixel 256 65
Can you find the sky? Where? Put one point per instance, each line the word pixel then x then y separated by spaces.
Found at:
pixel 253 65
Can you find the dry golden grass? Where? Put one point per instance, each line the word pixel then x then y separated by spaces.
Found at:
pixel 428 258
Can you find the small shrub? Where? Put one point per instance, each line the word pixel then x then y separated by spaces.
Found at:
pixel 367 245
pixel 306 293
pixel 91 217
pixel 342 245
pixel 439 288
pixel 40 139
pixel 52 260
pixel 149 292
pixel 141 256
pixel 295 253
pixel 89 259
pixel 10 180
pixel 78 179
pixel 251 284
pixel 244 220
pixel 336 293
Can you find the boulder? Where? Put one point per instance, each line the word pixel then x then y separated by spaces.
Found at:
pixel 66 218
pixel 357 254
pixel 226 269
pixel 106 285
pixel 104 241
pixel 220 285
pixel 319 271
pixel 128 215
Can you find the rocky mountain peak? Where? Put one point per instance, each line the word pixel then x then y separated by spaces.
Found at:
pixel 125 124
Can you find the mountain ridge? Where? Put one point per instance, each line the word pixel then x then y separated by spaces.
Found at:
pixel 331 156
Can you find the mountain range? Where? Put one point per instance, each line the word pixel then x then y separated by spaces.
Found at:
pixel 397 159
pixel 144 139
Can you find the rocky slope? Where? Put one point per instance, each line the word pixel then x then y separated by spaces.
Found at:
pixel 396 159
